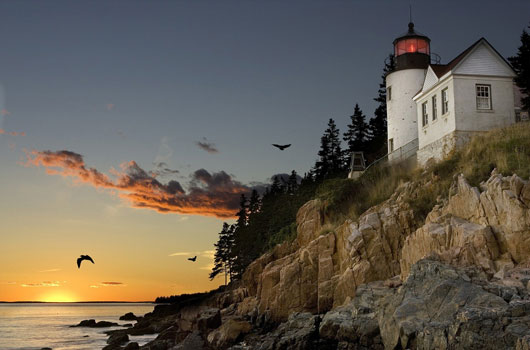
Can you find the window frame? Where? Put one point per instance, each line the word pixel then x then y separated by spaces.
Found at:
pixel 424 114
pixel 434 107
pixel 487 98
pixel 391 145
pixel 445 101
pixel 389 93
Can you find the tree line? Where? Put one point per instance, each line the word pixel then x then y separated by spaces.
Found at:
pixel 265 220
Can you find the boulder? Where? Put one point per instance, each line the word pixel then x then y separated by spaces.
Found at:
pixel 132 346
pixel 228 333
pixel 192 341
pixel 93 324
pixel 209 319
pixel 299 332
pixel 129 316
pixel 118 339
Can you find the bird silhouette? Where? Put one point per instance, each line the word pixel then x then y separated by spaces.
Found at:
pixel 193 259
pixel 83 257
pixel 281 147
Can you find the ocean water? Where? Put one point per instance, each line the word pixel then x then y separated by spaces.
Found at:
pixel 34 326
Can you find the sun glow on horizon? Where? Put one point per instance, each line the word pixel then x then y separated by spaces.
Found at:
pixel 61 297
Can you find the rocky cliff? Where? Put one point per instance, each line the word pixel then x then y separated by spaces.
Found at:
pixel 457 280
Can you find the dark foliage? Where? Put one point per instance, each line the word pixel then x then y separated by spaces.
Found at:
pixel 186 298
pixel 358 132
pixel 521 64
pixel 330 156
pixel 377 146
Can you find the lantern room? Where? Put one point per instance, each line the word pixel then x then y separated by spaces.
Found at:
pixel 412 50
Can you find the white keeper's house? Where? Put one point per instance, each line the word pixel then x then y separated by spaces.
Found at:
pixel 433 108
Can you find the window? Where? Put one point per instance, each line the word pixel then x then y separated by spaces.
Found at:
pixel 445 102
pixel 424 114
pixel 411 45
pixel 434 108
pixel 483 96
pixel 390 145
pixel 389 92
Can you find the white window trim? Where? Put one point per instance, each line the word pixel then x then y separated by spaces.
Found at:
pixel 434 107
pixel 424 114
pixel 445 103
pixel 487 90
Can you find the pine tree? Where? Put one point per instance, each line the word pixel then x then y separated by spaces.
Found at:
pixel 330 155
pixel 358 133
pixel 223 253
pixel 292 183
pixel 521 65
pixel 254 203
pixel 378 124
pixel 322 166
pixel 242 214
pixel 276 187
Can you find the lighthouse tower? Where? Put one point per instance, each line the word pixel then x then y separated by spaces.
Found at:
pixel 412 58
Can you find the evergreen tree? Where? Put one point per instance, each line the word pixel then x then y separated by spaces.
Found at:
pixel 223 253
pixel 521 65
pixel 322 167
pixel 292 183
pixel 242 214
pixel 357 134
pixel 330 156
pixel 276 186
pixel 254 203
pixel 378 124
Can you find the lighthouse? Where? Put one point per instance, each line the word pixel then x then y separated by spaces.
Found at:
pixel 412 58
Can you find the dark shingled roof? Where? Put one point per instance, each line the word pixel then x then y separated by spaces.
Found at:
pixel 441 69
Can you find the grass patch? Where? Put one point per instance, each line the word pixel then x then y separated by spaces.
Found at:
pixel 287 233
pixel 507 149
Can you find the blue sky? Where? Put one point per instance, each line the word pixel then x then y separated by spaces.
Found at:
pixel 144 81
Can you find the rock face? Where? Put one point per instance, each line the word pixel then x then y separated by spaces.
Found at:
pixel 490 229
pixel 323 267
pixel 320 271
pixel 442 307
pixel 458 280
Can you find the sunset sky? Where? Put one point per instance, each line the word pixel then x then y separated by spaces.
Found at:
pixel 128 129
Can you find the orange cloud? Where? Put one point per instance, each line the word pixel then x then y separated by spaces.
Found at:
pixel 12 133
pixel 42 284
pixel 215 194
pixel 110 284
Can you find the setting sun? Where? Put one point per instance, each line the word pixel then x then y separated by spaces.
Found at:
pixel 58 297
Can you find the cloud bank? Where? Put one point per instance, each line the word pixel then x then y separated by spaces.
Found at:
pixel 42 284
pixel 12 133
pixel 209 194
pixel 207 146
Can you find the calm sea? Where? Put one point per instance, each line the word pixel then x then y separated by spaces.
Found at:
pixel 34 326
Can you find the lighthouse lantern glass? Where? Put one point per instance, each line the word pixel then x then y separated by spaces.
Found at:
pixel 411 45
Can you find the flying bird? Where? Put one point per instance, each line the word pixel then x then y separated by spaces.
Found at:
pixel 281 147
pixel 193 259
pixel 83 257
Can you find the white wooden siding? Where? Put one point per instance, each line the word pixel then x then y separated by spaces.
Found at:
pixel 430 79
pixel 483 61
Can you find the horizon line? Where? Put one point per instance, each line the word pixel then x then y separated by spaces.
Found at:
pixel 72 302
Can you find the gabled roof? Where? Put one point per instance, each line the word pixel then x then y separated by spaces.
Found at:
pixel 442 69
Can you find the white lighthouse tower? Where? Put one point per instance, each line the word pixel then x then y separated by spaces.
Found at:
pixel 412 58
